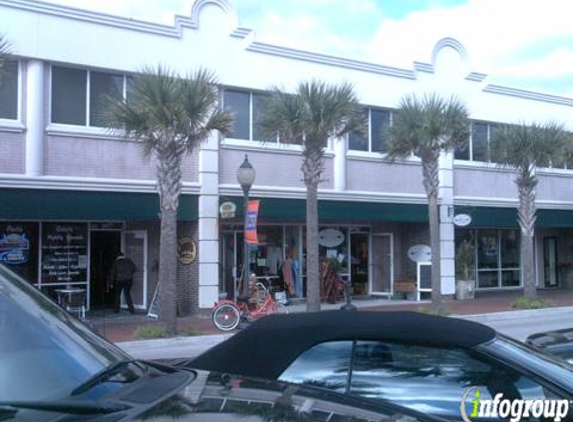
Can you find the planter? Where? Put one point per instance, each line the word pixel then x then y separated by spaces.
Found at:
pixel 465 289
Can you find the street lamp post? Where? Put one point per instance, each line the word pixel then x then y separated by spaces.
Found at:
pixel 245 176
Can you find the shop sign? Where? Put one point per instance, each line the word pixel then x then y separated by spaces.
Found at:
pixel 462 220
pixel 186 250
pixel 14 244
pixel 64 252
pixel 330 238
pixel 252 216
pixel 420 253
pixel 227 210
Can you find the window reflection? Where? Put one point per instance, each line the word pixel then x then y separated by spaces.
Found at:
pixel 325 365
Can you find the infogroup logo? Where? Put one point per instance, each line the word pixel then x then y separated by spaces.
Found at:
pixel 514 410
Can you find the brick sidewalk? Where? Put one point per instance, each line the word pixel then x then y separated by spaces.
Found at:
pixel 121 328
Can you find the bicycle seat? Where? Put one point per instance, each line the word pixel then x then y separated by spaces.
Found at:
pixel 243 299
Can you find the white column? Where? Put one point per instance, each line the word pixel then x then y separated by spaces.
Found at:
pixel 340 148
pixel 35 118
pixel 447 243
pixel 208 242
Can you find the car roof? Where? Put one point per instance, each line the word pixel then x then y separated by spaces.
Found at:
pixel 269 345
pixel 551 338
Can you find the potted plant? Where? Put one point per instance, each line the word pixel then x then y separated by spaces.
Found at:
pixel 465 270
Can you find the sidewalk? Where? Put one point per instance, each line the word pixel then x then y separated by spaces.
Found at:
pixel 121 327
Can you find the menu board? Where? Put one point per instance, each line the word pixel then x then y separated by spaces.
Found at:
pixel 19 248
pixel 64 252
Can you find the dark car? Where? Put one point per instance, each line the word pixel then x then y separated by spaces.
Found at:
pixel 558 343
pixel 54 368
pixel 420 361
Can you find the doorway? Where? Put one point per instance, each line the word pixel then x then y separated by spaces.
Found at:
pixel 550 262
pixel 104 247
pixel 382 263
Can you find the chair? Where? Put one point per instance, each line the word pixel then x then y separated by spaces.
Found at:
pixel 73 301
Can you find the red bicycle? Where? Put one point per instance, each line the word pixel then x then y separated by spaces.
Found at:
pixel 226 314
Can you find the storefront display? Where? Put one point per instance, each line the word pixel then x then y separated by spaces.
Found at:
pixel 19 248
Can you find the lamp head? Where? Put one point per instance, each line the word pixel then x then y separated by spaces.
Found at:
pixel 246 174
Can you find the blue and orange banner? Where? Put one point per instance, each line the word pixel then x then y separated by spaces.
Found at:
pixel 252 215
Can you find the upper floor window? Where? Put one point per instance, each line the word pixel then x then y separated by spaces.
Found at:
pixel 376 139
pixel 77 95
pixel 478 146
pixel 247 107
pixel 9 91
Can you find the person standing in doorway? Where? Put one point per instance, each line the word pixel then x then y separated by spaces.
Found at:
pixel 122 271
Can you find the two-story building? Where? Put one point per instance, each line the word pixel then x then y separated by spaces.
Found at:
pixel 72 194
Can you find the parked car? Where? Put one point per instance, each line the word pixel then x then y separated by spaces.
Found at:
pixel 558 343
pixel 53 367
pixel 420 361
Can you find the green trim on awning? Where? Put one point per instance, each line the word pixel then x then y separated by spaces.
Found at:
pixel 280 209
pixel 507 217
pixel 36 204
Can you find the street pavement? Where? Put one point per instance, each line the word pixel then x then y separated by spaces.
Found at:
pixel 517 324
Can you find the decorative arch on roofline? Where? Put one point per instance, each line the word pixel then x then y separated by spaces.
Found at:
pixel 225 5
pixel 453 43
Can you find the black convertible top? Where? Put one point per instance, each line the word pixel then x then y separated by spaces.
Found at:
pixel 267 347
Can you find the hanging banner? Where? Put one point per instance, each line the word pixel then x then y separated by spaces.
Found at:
pixel 251 229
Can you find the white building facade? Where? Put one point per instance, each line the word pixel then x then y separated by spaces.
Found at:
pixel 72 194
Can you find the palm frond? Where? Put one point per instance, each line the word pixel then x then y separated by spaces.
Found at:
pixel 164 108
pixel 523 145
pixel 313 114
pixel 424 126
pixel 5 54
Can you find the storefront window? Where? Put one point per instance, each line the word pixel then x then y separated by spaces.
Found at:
pixel 64 253
pixel 19 248
pixel 497 256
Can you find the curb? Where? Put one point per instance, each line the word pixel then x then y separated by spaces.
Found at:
pixel 210 340
pixel 206 340
pixel 527 313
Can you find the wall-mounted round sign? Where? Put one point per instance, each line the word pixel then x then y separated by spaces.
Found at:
pixel 420 253
pixel 462 220
pixel 227 210
pixel 330 238
pixel 186 250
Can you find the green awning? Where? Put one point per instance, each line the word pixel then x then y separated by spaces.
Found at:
pixel 281 210
pixel 507 217
pixel 39 204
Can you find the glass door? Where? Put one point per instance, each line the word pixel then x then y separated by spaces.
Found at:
pixel 382 263
pixel 550 261
pixel 134 245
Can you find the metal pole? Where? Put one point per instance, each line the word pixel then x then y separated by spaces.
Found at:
pixel 245 245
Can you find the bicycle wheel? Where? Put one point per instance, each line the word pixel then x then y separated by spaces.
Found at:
pixel 279 308
pixel 226 317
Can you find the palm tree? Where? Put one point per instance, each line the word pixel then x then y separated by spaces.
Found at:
pixel 170 116
pixel 426 128
pixel 314 113
pixel 5 55
pixel 524 148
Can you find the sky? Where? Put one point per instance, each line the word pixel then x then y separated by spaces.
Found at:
pixel 526 44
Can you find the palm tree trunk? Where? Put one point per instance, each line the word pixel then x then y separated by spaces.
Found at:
pixel 168 271
pixel 430 170
pixel 526 217
pixel 169 184
pixel 312 263
pixel 312 169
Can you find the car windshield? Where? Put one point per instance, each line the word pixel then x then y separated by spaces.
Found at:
pixel 510 350
pixel 44 352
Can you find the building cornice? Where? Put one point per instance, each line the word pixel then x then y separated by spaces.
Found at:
pixel 88 184
pixel 292 53
pixel 530 95
pixel 323 194
pixel 192 22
